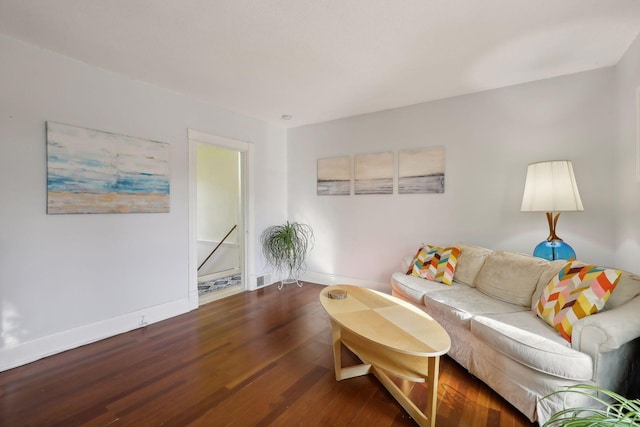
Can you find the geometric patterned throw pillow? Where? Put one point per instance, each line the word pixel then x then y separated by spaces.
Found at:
pixel 574 293
pixel 435 263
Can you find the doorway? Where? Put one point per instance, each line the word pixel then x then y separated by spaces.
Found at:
pixel 218 191
pixel 218 217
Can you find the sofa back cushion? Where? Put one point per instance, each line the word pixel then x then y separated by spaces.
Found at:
pixel 628 288
pixel 470 262
pixel 510 277
pixel 551 269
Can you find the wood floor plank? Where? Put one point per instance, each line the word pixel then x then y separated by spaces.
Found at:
pixel 260 358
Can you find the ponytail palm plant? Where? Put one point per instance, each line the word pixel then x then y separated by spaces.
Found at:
pixel 609 409
pixel 285 247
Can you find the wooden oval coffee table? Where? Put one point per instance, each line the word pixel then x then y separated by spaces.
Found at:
pixel 390 336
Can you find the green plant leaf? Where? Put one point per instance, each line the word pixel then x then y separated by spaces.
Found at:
pixel 610 410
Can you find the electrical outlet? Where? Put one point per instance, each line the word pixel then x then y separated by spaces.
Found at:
pixel 260 281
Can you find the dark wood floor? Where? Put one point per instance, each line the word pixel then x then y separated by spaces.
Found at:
pixel 254 359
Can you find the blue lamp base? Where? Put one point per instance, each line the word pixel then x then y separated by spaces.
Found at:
pixel 555 249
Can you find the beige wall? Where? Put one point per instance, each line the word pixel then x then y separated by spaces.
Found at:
pixel 218 193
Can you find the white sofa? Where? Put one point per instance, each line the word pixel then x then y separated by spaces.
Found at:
pixel 497 337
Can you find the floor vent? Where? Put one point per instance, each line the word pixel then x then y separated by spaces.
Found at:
pixel 263 280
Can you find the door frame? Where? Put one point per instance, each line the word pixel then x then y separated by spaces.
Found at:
pixel 246 232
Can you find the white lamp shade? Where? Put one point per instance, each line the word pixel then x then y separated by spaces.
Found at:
pixel 551 187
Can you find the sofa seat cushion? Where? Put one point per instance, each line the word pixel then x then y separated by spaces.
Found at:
pixel 528 340
pixel 414 288
pixel 460 305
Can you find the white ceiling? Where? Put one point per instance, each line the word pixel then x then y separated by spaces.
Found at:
pixel 319 60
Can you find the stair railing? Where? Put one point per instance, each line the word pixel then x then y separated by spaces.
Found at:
pixel 217 246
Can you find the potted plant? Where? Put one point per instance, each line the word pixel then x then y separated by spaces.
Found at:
pixel 609 409
pixel 285 247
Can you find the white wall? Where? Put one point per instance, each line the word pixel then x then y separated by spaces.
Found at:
pixel 627 184
pixel 489 139
pixel 69 279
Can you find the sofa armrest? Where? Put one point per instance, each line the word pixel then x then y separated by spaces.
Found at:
pixel 608 330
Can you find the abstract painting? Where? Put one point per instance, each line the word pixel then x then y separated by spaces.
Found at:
pixel 421 171
pixel 374 173
pixel 334 176
pixel 90 171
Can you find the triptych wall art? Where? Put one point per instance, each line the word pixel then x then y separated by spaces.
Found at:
pixel 373 173
pixel 90 171
pixel 419 171
pixel 334 176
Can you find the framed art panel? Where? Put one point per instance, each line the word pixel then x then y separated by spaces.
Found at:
pixel 374 173
pixel 334 176
pixel 90 171
pixel 421 171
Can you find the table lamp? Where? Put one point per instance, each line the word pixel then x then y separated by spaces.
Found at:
pixel 551 187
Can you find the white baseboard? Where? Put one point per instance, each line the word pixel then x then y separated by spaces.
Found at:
pixel 194 299
pixel 270 278
pixel 322 279
pixel 332 279
pixel 30 351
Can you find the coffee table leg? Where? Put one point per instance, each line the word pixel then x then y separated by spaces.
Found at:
pixel 433 370
pixel 337 350
pixel 350 371
pixel 428 417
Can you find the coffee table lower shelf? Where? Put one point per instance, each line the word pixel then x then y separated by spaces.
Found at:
pixel 391 337
pixel 383 361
